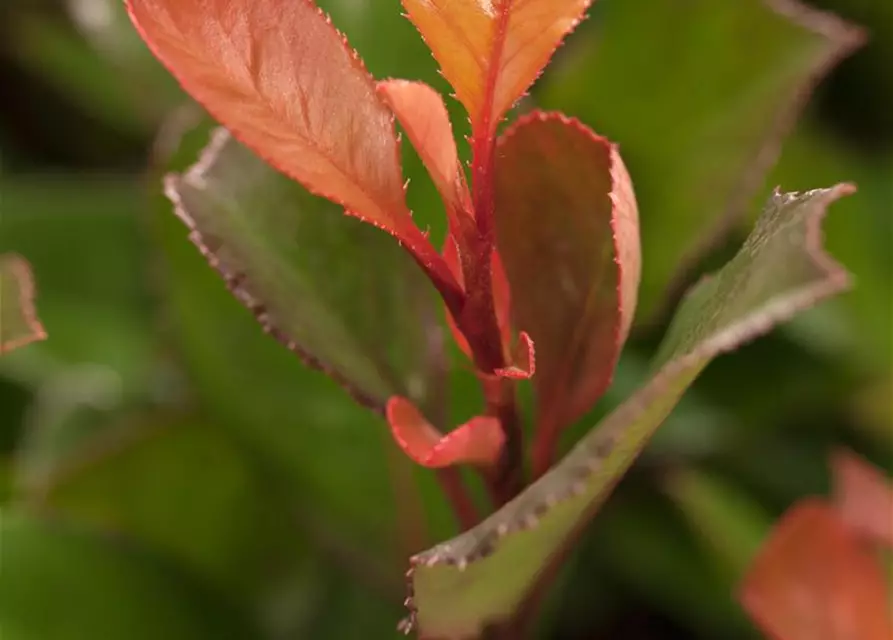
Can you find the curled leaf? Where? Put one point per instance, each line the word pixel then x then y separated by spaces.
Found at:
pixel 479 441
pixel 567 232
pixel 812 580
pixel 19 324
pixel 523 361
pixel 286 84
pixel 424 117
pixel 491 51
pixel 483 576
pixel 864 497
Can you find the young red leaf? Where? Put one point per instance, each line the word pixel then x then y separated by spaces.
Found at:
pixel 491 51
pixel 567 231
pixel 864 497
pixel 479 441
pixel 523 360
pixel 421 111
pixel 285 83
pixel 19 324
pixel 814 581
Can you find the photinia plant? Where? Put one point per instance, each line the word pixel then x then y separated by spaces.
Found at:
pixel 19 324
pixel 538 273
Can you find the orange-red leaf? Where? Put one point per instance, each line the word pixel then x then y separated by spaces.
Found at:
pixel 479 441
pixel 285 83
pixel 421 111
pixel 19 324
pixel 491 51
pixel 812 580
pixel 864 497
pixel 567 231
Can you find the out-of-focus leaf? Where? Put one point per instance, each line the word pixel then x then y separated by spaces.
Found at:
pixel 483 575
pixel 284 81
pixel 342 294
pixel 699 123
pixel 82 238
pixel 59 584
pixel 423 115
pixel 182 488
pixel 864 497
pixel 813 581
pixel 567 232
pixel 729 522
pixel 491 52
pixel 19 324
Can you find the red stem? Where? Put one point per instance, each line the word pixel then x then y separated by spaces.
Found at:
pixel 464 509
pixel 544 445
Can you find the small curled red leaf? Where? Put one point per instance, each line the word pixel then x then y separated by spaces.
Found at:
pixel 523 364
pixel 479 441
pixel 19 324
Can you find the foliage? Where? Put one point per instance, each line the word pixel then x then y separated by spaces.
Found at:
pixel 283 509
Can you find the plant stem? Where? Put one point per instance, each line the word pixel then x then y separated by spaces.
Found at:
pixel 464 509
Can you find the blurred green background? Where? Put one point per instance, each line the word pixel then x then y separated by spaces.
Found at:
pixel 167 471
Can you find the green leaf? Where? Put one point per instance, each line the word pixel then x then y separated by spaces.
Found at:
pixel 482 576
pixel 58 584
pixel 337 459
pixel 698 122
pixel 342 294
pixel 19 324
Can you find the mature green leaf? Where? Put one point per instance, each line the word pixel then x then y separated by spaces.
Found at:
pixel 567 230
pixel 341 294
pixel 58 584
pixel 699 123
pixel 19 324
pixel 482 576
pixel 337 459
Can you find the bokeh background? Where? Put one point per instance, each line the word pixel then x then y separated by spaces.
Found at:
pixel 167 471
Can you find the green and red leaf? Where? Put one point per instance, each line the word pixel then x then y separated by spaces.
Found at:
pixel 813 580
pixel 567 231
pixel 286 84
pixel 19 324
pixel 484 576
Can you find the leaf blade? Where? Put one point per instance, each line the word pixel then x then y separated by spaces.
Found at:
pixel 19 324
pixel 281 252
pixel 567 231
pixel 491 51
pixel 521 539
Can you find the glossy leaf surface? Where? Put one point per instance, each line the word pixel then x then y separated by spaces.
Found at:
pixel 699 131
pixel 19 324
pixel 567 232
pixel 812 580
pixel 491 51
pixel 482 576
pixel 341 294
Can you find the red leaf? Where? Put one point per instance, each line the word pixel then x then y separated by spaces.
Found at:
pixel 523 360
pixel 567 231
pixel 421 111
pixel 812 580
pixel 479 441
pixel 491 51
pixel 285 83
pixel 19 324
pixel 864 497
